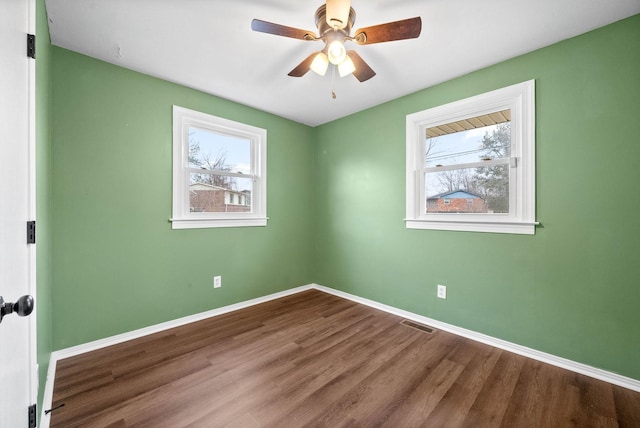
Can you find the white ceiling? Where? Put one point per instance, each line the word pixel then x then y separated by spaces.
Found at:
pixel 208 44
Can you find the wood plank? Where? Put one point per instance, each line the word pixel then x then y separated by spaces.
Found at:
pixel 627 405
pixel 478 365
pixel 491 404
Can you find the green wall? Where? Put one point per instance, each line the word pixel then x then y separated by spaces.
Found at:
pixel 336 206
pixel 572 289
pixel 117 264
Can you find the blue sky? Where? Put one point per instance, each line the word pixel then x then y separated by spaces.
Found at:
pixel 237 151
pixel 460 147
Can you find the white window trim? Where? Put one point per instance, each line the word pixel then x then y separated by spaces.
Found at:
pixel 520 99
pixel 184 118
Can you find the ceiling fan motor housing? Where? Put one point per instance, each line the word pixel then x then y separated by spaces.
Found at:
pixel 324 27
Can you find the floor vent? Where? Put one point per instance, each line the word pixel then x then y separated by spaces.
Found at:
pixel 421 327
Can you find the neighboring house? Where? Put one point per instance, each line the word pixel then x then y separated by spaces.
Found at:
pixel 457 201
pixel 211 198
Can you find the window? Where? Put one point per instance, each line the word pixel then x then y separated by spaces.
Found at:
pixel 471 164
pixel 219 172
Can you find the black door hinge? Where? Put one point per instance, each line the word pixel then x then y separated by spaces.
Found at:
pixel 31 232
pixel 32 416
pixel 31 46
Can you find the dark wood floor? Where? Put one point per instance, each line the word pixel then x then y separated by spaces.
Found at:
pixel 316 360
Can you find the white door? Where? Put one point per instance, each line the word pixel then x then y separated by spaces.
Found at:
pixel 18 379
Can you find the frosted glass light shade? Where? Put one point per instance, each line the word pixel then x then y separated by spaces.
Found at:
pixel 336 52
pixel 320 64
pixel 346 67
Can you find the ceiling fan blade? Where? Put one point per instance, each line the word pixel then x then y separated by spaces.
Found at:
pixel 397 30
pixel 362 72
pixel 302 68
pixel 281 30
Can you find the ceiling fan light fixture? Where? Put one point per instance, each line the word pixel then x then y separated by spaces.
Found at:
pixel 320 63
pixel 346 67
pixel 337 14
pixel 336 52
pixel 334 20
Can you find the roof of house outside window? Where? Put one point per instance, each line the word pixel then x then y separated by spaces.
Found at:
pixel 456 194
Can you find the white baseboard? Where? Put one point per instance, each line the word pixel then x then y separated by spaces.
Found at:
pixel 613 378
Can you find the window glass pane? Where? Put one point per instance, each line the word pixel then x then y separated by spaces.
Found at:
pixel 471 140
pixel 468 190
pixel 218 152
pixel 213 193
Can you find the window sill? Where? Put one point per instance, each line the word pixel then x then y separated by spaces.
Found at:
pixel 214 223
pixel 521 228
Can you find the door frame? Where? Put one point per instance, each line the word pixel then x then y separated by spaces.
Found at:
pixel 32 282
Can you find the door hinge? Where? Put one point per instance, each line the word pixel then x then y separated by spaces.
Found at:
pixel 31 46
pixel 31 232
pixel 32 416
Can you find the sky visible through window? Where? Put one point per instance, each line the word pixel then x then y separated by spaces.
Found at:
pixel 457 148
pixel 236 152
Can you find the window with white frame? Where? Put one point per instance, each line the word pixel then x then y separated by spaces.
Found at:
pixel 219 172
pixel 471 164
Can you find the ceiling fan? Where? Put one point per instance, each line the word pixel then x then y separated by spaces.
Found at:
pixel 334 21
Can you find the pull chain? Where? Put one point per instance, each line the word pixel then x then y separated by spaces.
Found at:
pixel 333 82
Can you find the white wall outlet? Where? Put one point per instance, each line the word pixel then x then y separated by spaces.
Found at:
pixel 442 291
pixel 217 281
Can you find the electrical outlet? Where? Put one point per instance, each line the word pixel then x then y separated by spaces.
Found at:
pixel 442 291
pixel 217 281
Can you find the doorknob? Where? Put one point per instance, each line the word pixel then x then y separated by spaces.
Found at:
pixel 23 307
